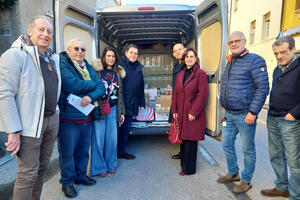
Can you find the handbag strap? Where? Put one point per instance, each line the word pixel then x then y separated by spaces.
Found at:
pixel 112 80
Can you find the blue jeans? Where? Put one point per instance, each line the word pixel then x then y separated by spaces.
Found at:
pixel 104 143
pixel 73 147
pixel 123 134
pixel 284 149
pixel 236 124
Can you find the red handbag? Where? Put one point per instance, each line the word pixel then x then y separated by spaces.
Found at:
pixel 174 132
pixel 105 107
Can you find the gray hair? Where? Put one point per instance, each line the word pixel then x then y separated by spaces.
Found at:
pixel 288 39
pixel 32 22
pixel 238 33
pixel 75 40
pixel 129 46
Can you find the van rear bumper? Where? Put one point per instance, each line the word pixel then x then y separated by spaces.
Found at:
pixel 148 128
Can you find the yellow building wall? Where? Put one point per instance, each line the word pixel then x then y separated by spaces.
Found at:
pixel 247 12
pixel 290 17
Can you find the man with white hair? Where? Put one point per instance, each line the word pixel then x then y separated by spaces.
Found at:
pixel 244 89
pixel 29 91
pixel 75 128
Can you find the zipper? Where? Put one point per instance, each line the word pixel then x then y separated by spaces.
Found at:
pixel 228 76
pixel 35 49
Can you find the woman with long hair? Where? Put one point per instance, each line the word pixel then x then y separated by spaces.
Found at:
pixel 188 107
pixel 105 136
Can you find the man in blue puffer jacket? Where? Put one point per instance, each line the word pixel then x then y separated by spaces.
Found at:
pixel 244 89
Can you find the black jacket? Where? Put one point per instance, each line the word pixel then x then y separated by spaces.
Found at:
pixel 285 93
pixel 133 86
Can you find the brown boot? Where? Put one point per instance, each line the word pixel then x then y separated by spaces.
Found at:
pixel 228 178
pixel 242 187
pixel 275 193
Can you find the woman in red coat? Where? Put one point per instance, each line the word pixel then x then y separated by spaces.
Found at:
pixel 188 106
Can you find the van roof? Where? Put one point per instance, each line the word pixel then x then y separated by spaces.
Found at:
pixel 147 25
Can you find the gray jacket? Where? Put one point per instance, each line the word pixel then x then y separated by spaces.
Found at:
pixel 22 97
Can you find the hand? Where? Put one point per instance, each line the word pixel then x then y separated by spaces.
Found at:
pixel 191 117
pixel 289 117
pixel 175 115
pixel 13 143
pixel 122 119
pixel 250 119
pixel 86 100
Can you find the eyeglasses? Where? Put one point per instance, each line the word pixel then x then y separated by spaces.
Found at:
pixel 237 42
pixel 81 49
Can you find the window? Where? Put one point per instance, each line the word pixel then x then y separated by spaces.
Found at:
pixel 252 32
pixel 235 6
pixel 266 26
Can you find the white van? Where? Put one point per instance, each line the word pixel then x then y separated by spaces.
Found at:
pixel 154 29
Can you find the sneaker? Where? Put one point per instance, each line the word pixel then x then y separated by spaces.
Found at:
pixel 126 156
pixel 228 178
pixel 242 187
pixel 275 193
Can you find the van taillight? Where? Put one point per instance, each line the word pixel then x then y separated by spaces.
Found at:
pixel 146 8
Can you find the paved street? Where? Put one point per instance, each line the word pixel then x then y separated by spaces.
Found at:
pixel 153 175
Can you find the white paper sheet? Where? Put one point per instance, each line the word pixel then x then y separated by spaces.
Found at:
pixel 75 101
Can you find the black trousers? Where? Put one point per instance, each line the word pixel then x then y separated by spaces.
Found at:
pixel 188 151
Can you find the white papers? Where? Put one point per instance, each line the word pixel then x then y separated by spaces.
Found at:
pixel 75 101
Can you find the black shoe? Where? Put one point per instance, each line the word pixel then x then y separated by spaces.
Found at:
pixel 69 191
pixel 126 156
pixel 86 181
pixel 176 156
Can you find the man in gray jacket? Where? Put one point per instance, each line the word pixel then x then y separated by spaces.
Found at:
pixel 29 91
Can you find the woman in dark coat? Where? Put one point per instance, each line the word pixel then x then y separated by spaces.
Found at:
pixel 188 106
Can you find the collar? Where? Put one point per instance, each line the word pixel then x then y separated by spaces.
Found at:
pixel 244 52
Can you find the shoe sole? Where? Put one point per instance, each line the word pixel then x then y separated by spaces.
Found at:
pixel 239 192
pixel 274 195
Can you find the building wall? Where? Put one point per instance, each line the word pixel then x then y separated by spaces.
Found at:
pixel 291 18
pixel 247 12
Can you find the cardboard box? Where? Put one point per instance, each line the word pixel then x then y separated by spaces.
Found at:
pixel 164 100
pixel 152 93
pixel 161 116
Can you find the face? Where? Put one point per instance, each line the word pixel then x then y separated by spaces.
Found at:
pixel 190 59
pixel 77 51
pixel 283 55
pixel 110 58
pixel 236 44
pixel 178 50
pixel 41 34
pixel 132 54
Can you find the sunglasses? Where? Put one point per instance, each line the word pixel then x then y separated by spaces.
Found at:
pixel 237 42
pixel 81 49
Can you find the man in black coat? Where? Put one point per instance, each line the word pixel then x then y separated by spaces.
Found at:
pixel 133 95
pixel 178 50
pixel 283 121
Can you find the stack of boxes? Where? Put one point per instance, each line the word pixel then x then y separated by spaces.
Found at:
pixel 160 100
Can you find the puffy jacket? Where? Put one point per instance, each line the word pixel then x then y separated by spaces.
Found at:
pixel 73 83
pixel 245 84
pixel 22 97
pixel 285 93
pixel 133 86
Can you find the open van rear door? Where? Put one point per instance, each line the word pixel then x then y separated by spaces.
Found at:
pixel 75 20
pixel 212 33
